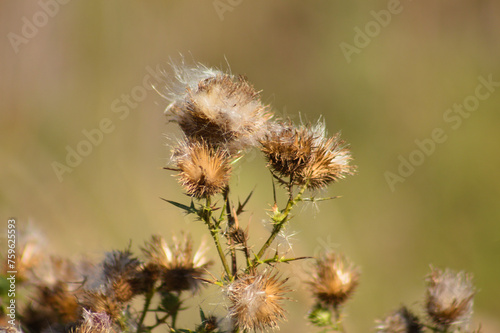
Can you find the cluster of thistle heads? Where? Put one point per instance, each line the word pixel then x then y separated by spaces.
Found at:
pixel 222 117
pixel 81 296
pixel 448 306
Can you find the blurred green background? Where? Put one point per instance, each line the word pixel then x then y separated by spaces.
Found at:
pixel 77 67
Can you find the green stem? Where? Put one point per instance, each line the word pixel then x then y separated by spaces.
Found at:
pixel 230 229
pixel 147 303
pixel 214 232
pixel 283 219
pixel 338 320
pixel 174 318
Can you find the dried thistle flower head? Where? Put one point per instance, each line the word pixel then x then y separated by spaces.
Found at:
pixel 306 155
pixel 52 305
pixel 121 273
pixel 178 267
pixel 29 253
pixel 334 279
pixel 400 321
pixel 102 301
pixel 57 282
pixel 450 298
pixel 256 301
pixel 204 171
pixel 94 322
pixel 218 108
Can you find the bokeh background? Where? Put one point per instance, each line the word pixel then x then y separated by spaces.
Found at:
pixel 78 67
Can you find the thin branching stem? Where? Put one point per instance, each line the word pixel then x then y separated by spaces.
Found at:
pixel 230 229
pixel 280 221
pixel 145 309
pixel 214 232
pixel 339 327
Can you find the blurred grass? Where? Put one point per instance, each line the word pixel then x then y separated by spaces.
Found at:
pixel 65 79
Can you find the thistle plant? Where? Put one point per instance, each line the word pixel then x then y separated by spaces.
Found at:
pixel 222 118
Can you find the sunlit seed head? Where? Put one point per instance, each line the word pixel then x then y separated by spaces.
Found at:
pixel 179 269
pixel 94 322
pixel 400 321
pixel 450 298
pixel 306 155
pixel 204 171
pixel 220 109
pixel 29 252
pixel 256 301
pixel 334 279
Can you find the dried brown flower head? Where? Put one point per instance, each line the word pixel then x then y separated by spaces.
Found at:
pixel 179 269
pixel 306 155
pixel 121 272
pixel 256 301
pixel 450 298
pixel 204 171
pixel 101 302
pixel 94 322
pixel 218 108
pixel 57 283
pixel 52 305
pixel 400 321
pixel 334 279
pixel 29 253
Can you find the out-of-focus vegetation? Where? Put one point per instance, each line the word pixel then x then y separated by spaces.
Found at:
pixel 78 68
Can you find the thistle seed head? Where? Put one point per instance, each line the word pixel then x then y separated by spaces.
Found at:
pixel 256 301
pixel 450 298
pixel 306 155
pixel 57 284
pixel 334 279
pixel 204 171
pixel 102 302
pixel 400 321
pixel 179 269
pixel 121 273
pixel 94 322
pixel 223 110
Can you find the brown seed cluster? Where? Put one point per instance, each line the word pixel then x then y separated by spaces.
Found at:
pixel 178 267
pixel 221 115
pixel 204 171
pixel 450 298
pixel 223 111
pixel 94 323
pixel 334 279
pixel 400 321
pixel 256 301
pixel 55 300
pixel 306 155
pixel 79 297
